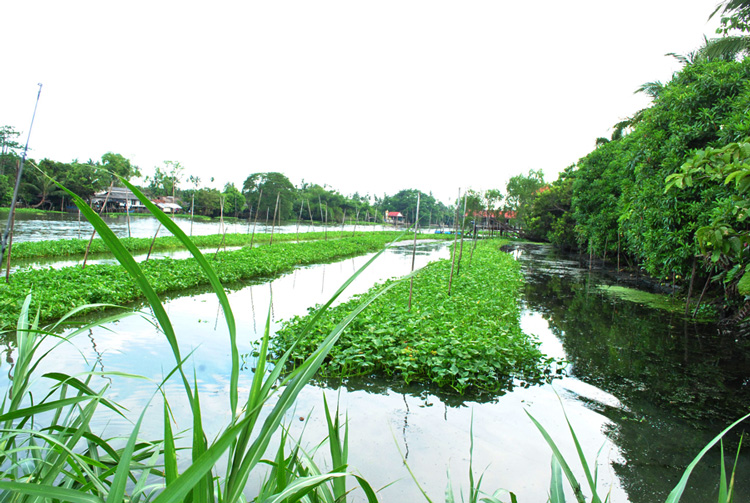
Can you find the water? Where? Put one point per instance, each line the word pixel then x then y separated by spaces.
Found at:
pixel 53 226
pixel 645 388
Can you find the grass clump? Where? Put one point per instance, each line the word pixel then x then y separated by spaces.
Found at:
pixel 469 341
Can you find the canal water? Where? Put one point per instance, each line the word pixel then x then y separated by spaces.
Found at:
pixel 643 389
pixel 53 226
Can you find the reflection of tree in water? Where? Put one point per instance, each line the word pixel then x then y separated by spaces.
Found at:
pixel 680 382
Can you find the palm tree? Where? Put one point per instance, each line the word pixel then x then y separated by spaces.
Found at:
pixel 735 15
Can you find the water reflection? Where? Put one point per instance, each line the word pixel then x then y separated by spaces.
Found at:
pixel 677 382
pixel 54 226
pixel 627 367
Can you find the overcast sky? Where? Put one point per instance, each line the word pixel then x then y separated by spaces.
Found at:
pixel 367 96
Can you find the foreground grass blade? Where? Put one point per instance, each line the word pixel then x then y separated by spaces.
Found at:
pixel 676 493
pixel 556 493
pixel 215 285
pixel 561 459
pixel 49 492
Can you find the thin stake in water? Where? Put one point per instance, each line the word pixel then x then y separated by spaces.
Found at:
pixel 414 250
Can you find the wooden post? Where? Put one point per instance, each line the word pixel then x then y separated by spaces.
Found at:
pixel 343 222
pixel 414 251
pixel 326 223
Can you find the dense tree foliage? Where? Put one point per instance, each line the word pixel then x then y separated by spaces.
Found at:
pixel 618 197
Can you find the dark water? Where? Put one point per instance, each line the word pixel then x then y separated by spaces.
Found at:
pixel 644 389
pixel 679 382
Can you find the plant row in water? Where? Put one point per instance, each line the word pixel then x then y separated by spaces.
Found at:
pixel 470 340
pixel 77 247
pixel 57 291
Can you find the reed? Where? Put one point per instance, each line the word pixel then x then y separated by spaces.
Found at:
pixel 60 458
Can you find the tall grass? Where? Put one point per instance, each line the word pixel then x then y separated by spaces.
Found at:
pixel 48 451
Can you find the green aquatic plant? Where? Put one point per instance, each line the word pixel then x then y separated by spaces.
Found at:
pixel 470 340
pixel 58 290
pixel 64 460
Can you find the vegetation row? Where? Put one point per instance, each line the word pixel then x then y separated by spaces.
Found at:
pixel 77 247
pixel 469 339
pixel 57 291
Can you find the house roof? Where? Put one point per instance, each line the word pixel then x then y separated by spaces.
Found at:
pixel 394 214
pixel 115 194
pixel 493 214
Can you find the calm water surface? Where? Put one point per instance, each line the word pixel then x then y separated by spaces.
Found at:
pixel 53 226
pixel 644 390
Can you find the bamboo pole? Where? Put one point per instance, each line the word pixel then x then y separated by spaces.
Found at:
pixel 455 235
pixel 275 211
pixel 343 222
pixel 257 210
pixel 309 212
pixel 152 242
pixel 127 216
pixel 326 223
pixel 690 288
pixel 703 292
pixel 10 245
pixel 463 231
pixel 356 218
pixel 18 181
pixel 221 215
pixel 299 219
pixel 414 251
pixel 192 212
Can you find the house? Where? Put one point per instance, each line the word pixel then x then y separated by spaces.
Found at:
pixel 117 199
pixel 496 220
pixel 394 217
pixel 167 204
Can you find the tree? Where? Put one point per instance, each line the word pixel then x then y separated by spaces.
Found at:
pixel 735 17
pixel 234 201
pixel 520 190
pixel 119 166
pixel 164 182
pixel 272 184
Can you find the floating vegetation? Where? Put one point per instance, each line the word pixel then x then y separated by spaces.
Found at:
pixel 470 340
pixel 653 300
pixel 59 290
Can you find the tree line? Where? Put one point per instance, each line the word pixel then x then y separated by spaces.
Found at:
pixel 666 192
pixel 262 195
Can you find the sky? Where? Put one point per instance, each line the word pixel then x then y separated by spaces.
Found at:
pixel 362 96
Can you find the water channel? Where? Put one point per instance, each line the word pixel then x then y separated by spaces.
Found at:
pixel 644 389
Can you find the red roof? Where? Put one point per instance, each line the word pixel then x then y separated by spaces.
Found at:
pixel 394 214
pixel 493 214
